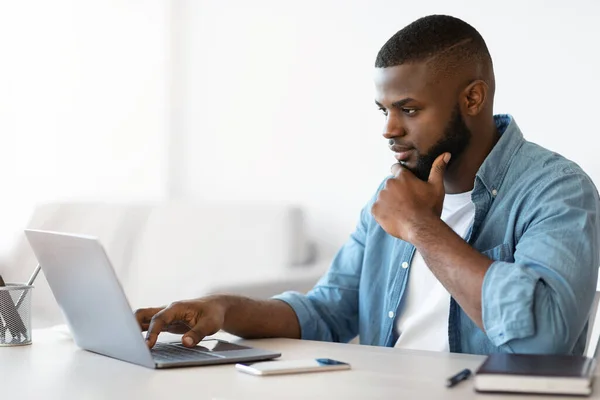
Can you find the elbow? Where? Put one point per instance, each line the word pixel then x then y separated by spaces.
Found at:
pixel 552 342
pixel 550 330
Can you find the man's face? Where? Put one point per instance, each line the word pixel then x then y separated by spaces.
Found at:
pixel 423 118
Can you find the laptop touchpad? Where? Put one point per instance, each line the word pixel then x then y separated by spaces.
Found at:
pixel 213 345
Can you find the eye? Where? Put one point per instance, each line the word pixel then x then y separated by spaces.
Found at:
pixel 383 110
pixel 409 111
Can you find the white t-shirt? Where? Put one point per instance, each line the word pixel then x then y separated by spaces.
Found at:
pixel 423 316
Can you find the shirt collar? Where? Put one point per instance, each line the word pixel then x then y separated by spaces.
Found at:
pixel 494 167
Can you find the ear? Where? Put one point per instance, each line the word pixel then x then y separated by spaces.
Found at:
pixel 474 96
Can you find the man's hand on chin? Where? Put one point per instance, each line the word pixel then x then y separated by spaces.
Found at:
pixel 406 203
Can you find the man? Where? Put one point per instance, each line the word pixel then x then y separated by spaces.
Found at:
pixel 480 242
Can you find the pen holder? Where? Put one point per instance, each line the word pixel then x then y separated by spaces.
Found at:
pixel 15 314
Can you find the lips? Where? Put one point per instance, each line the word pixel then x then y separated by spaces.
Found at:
pixel 401 153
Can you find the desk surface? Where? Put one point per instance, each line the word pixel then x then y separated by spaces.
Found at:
pixel 54 368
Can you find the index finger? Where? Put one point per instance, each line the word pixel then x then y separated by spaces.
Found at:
pixel 162 319
pixel 158 322
pixel 144 316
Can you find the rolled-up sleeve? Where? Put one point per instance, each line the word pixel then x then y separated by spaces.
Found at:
pixel 329 312
pixel 540 303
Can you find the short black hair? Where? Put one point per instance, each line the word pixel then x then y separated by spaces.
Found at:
pixel 446 40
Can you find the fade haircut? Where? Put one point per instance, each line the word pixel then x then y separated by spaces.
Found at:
pixel 445 42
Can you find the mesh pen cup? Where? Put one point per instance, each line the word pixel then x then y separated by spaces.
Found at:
pixel 15 314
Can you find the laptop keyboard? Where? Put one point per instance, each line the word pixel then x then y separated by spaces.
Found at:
pixel 167 352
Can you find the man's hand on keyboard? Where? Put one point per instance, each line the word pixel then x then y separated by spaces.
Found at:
pixel 195 319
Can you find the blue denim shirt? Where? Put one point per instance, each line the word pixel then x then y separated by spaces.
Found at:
pixel 536 216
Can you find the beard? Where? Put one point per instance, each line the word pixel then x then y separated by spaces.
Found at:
pixel 455 140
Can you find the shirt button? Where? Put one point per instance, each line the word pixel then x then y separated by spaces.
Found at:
pixel 404 265
pixel 391 314
pixel 494 192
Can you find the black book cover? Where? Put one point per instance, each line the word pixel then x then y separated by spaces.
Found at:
pixel 538 365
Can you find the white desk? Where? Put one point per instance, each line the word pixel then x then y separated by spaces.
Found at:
pixel 54 368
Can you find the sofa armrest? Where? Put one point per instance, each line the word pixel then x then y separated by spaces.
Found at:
pixel 295 279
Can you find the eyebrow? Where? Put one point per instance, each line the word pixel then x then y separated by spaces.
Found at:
pixel 397 104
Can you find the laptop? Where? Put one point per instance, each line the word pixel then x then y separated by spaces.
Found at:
pixel 99 316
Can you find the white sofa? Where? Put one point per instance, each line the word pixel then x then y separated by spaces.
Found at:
pixel 168 251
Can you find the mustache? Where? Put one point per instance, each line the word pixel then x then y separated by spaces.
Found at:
pixel 396 144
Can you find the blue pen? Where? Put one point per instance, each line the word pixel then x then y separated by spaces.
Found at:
pixel 461 376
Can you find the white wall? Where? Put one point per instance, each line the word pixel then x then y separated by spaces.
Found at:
pixel 83 103
pixel 277 98
pixel 252 100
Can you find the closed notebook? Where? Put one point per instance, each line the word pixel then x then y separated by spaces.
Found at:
pixel 526 373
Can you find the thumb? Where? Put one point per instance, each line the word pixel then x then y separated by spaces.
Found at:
pixel 436 175
pixel 204 327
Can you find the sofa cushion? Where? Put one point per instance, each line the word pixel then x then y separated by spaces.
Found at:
pixel 187 249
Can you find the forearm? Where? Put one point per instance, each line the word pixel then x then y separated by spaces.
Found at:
pixel 250 318
pixel 458 266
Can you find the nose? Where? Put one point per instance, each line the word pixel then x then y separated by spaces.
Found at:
pixel 393 128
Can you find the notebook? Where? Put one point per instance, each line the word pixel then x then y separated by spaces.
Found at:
pixel 526 373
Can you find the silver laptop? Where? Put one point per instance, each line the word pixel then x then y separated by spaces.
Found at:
pixel 99 316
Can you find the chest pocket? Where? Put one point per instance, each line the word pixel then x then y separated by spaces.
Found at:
pixel 503 252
